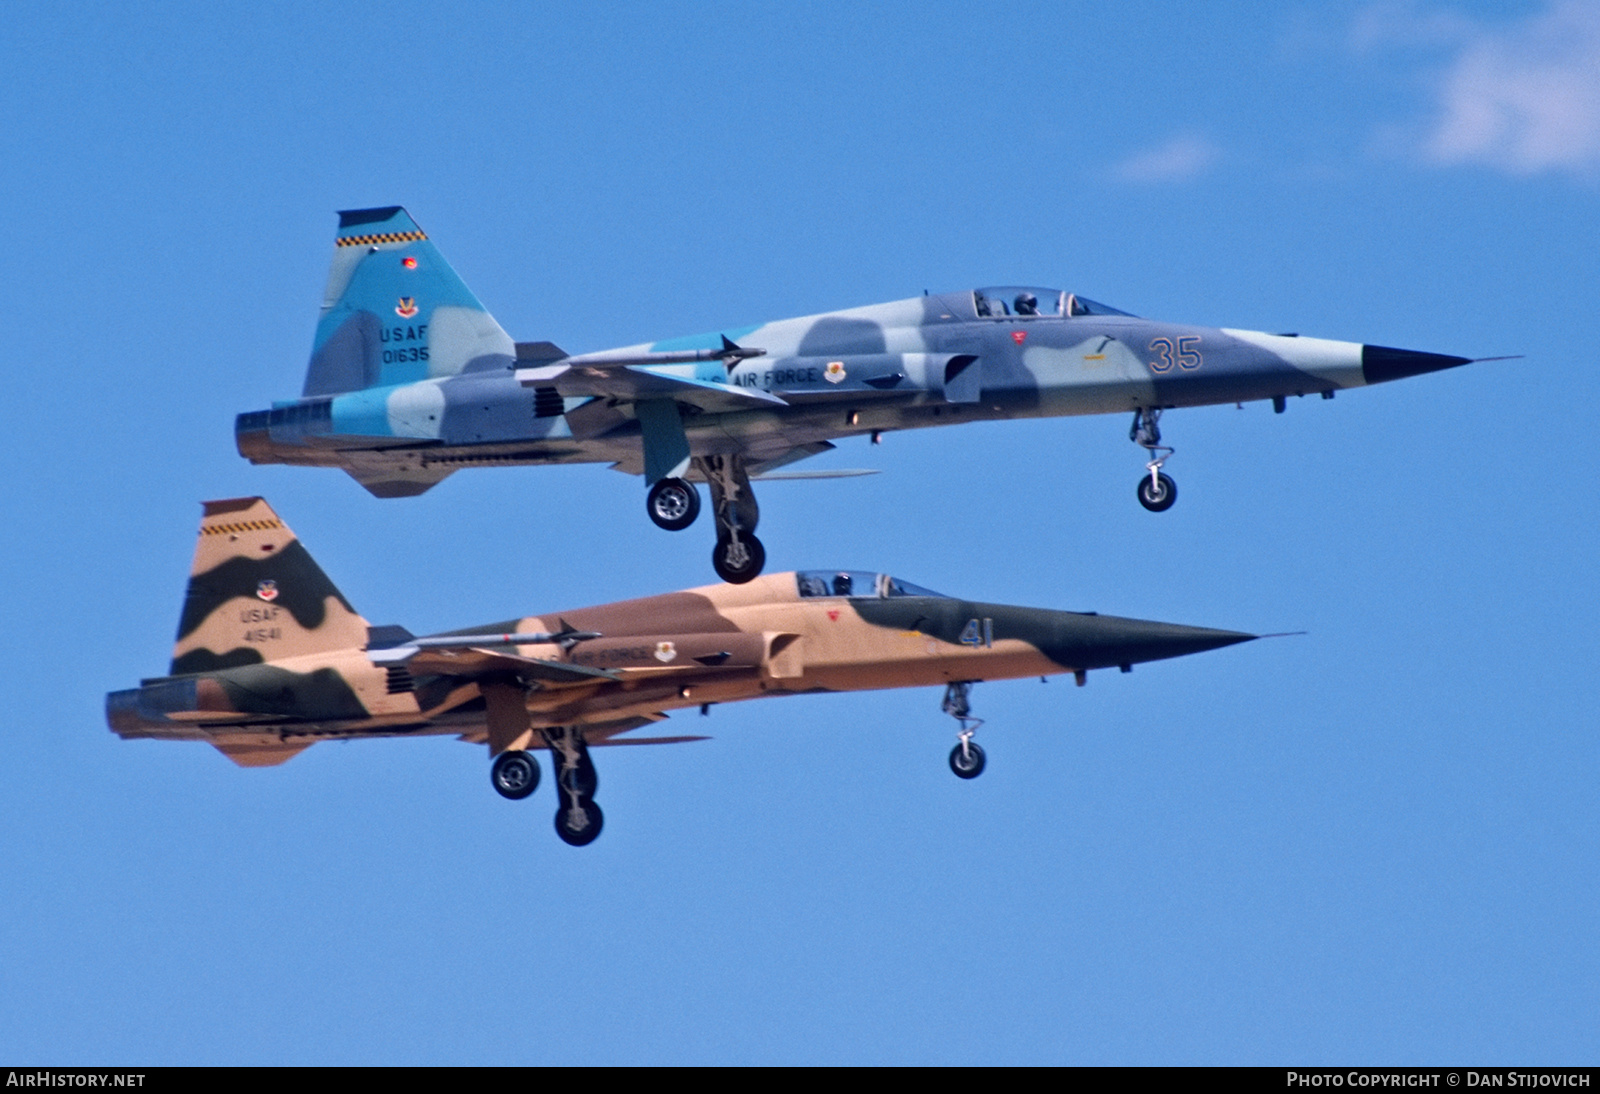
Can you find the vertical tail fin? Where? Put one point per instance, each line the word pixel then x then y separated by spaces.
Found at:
pixel 256 595
pixel 395 312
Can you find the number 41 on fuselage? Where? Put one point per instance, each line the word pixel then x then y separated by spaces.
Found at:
pixel 412 379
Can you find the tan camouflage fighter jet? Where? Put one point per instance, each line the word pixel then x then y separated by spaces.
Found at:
pixel 271 658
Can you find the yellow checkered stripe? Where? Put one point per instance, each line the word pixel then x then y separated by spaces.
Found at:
pixel 386 237
pixel 241 526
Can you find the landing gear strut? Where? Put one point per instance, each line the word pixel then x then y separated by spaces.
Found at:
pixel 1157 491
pixel 966 759
pixel 578 818
pixel 673 504
pixel 738 556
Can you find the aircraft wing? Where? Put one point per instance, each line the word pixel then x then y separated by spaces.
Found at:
pixel 637 383
pixel 762 460
pixel 763 466
pixel 600 734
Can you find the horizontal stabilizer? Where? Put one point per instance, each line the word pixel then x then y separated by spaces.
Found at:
pixel 260 751
pixel 398 480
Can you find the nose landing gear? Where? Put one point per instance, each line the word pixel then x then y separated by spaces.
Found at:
pixel 1157 491
pixel 966 758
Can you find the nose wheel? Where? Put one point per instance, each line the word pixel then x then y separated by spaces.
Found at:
pixel 1157 491
pixel 966 758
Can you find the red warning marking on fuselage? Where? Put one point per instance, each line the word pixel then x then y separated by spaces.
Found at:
pixel 1019 336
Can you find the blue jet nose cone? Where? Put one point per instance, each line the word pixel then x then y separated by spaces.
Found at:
pixel 1380 363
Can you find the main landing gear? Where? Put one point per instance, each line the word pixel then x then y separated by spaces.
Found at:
pixel 578 818
pixel 966 759
pixel 673 504
pixel 515 775
pixel 1157 491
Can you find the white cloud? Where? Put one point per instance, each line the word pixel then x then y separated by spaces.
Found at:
pixel 1182 157
pixel 1522 97
pixel 1398 23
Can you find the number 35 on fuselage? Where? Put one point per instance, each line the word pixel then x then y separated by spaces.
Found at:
pixel 411 379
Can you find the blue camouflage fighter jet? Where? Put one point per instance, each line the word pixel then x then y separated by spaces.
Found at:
pixel 412 379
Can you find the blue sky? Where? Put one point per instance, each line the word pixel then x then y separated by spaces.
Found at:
pixel 1375 843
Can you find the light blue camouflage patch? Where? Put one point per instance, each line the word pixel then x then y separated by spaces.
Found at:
pixel 363 413
pixel 704 341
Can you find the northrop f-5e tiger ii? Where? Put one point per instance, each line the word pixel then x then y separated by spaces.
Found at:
pixel 412 379
pixel 271 658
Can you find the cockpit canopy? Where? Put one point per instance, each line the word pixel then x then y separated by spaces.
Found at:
pixel 856 583
pixel 1027 302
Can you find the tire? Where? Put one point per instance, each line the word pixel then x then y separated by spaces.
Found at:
pixel 968 765
pixel 672 504
pixel 1160 498
pixel 591 820
pixel 738 571
pixel 515 775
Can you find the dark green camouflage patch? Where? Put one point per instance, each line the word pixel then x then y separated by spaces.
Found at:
pixel 302 587
pixel 267 689
pixel 200 661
